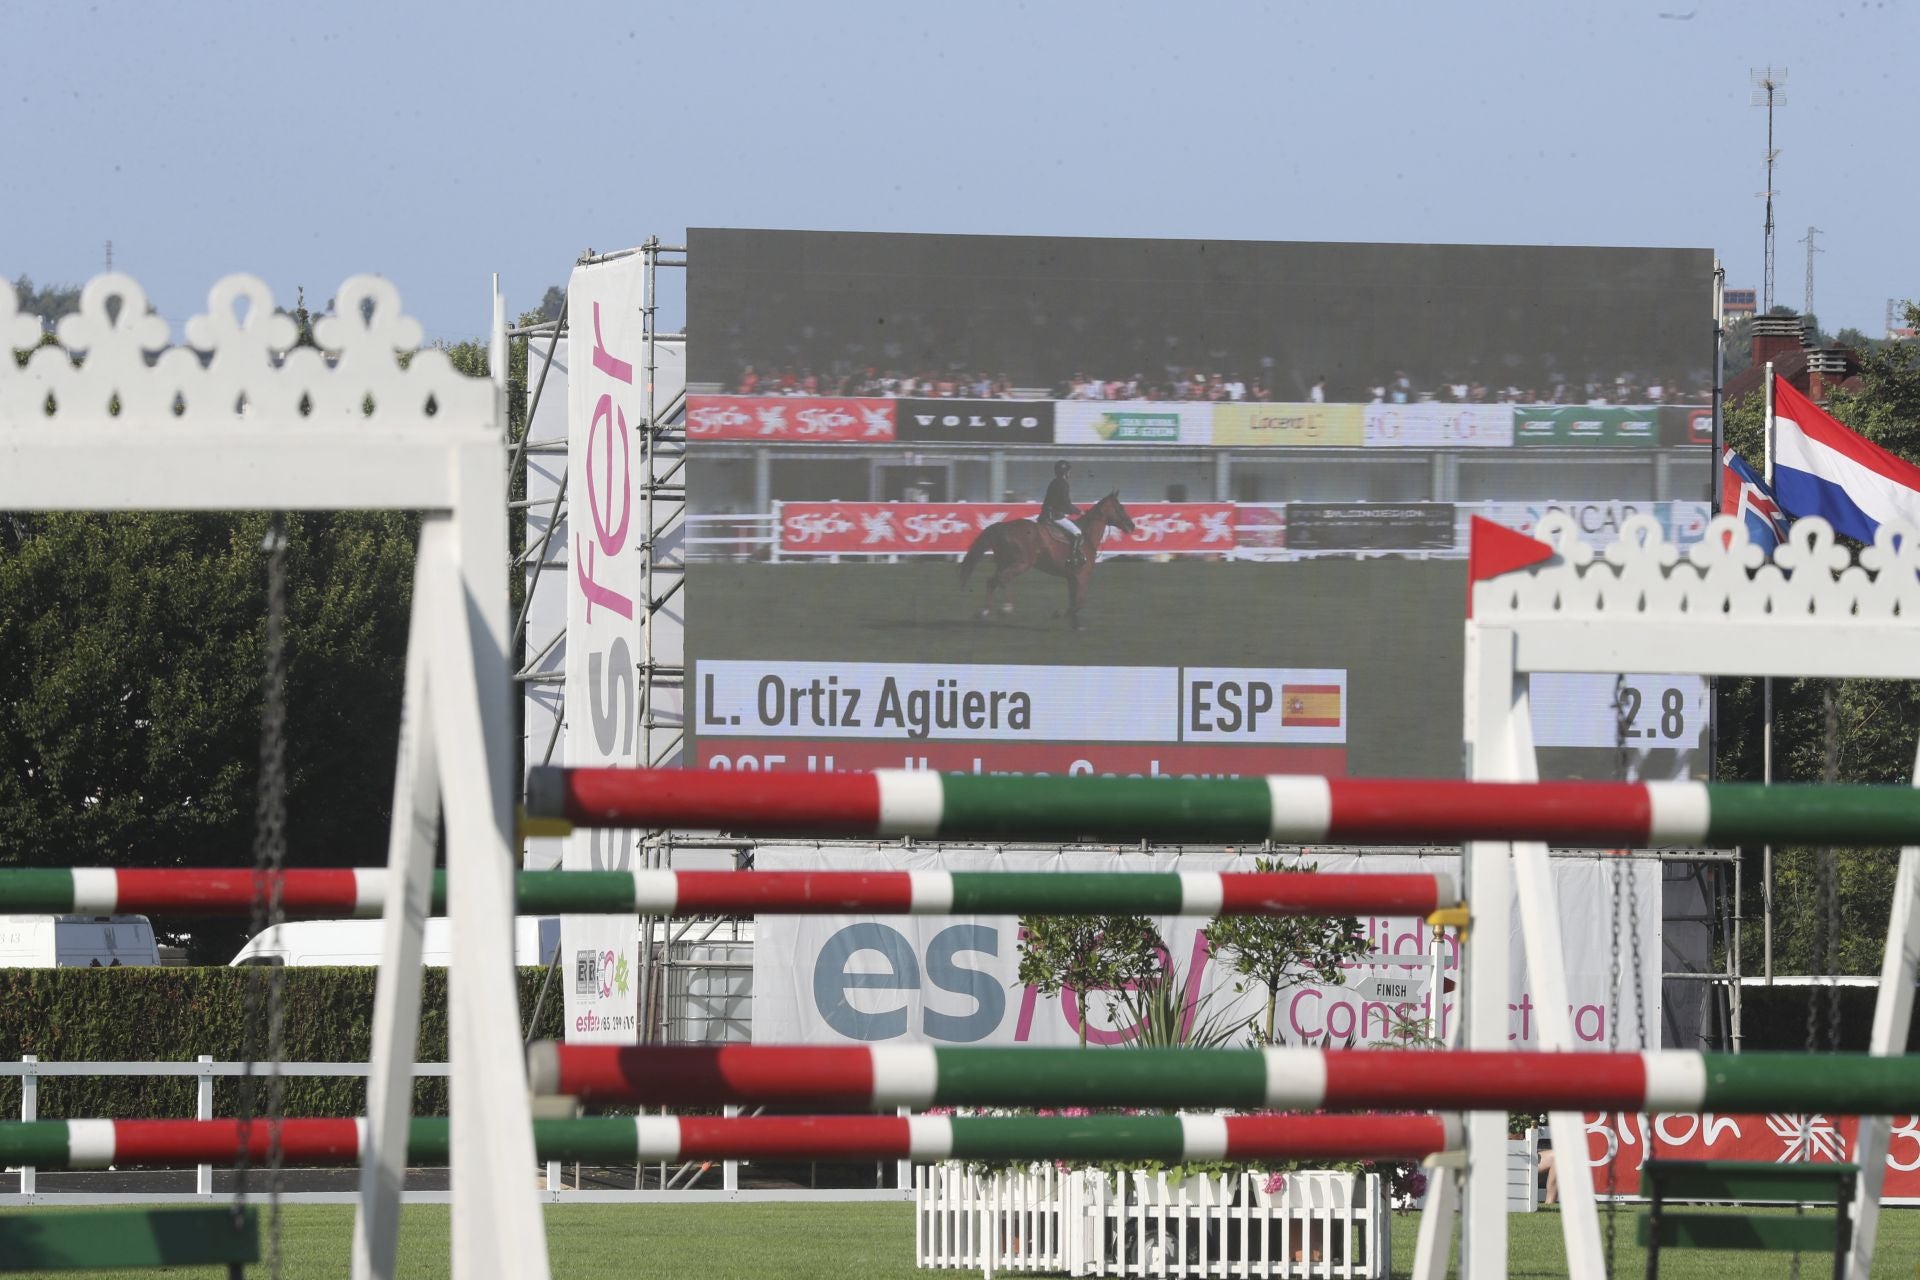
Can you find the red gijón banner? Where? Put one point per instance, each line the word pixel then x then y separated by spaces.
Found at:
pixel 949 528
pixel 1626 1142
pixel 790 418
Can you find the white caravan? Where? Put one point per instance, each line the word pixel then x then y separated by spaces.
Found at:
pixel 77 942
pixel 357 942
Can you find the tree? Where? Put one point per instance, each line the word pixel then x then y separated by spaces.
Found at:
pixel 1278 952
pixel 1874 721
pixel 49 302
pixel 130 689
pixel 130 665
pixel 1886 409
pixel 1738 346
pixel 1854 339
pixel 550 304
pixel 1082 954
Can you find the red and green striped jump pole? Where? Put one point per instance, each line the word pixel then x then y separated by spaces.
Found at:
pixel 921 1076
pixel 363 892
pixel 97 1144
pixel 1306 810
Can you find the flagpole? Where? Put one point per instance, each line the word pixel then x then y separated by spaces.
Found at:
pixel 1767 457
pixel 1766 736
pixel 1717 487
pixel 1719 389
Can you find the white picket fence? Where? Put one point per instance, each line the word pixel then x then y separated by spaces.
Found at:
pixel 1086 1223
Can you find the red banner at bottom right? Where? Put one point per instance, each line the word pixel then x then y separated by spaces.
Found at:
pixel 1617 1145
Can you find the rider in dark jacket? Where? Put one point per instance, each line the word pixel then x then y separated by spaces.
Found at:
pixel 1057 509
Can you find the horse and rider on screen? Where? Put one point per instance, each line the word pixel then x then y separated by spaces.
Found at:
pixel 1062 540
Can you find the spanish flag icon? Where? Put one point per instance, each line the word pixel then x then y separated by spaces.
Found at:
pixel 1310 706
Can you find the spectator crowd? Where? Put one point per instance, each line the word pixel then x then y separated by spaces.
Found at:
pixel 945 384
pixel 1180 384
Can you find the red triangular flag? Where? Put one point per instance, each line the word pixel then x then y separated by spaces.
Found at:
pixel 1494 549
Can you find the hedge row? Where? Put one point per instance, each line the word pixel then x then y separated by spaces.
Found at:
pixel 164 1015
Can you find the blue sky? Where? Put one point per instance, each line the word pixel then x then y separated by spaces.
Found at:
pixel 436 143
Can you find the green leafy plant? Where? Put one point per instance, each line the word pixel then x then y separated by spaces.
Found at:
pixel 1082 954
pixel 1407 1030
pixel 1163 1019
pixel 1278 952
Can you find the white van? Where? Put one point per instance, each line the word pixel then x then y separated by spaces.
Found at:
pixel 77 942
pixel 312 942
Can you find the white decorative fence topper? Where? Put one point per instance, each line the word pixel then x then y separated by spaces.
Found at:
pixel 239 357
pixel 1724 575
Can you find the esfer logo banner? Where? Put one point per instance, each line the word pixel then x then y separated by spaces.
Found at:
pixel 606 403
pixel 955 979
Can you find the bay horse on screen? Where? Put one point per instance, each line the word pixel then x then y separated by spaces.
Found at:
pixel 1020 545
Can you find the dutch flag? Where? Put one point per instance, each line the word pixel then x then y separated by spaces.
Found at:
pixel 1743 494
pixel 1820 468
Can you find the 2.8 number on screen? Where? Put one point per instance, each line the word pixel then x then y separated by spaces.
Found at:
pixel 1673 714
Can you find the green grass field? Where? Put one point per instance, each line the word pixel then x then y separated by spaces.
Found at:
pixel 757 1241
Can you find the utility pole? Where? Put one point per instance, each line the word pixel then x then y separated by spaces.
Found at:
pixel 1766 93
pixel 1812 249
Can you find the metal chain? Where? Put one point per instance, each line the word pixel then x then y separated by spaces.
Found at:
pixel 1613 960
pixel 1830 864
pixel 1627 774
pixel 1830 891
pixel 268 988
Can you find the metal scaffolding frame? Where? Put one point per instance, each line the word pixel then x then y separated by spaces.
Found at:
pixel 661 443
pixel 663 503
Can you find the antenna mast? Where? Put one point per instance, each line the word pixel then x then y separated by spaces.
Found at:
pixel 1812 249
pixel 1766 93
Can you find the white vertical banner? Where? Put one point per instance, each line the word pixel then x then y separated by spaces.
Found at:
pixel 606 609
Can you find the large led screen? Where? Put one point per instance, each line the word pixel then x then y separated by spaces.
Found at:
pixel 1276 451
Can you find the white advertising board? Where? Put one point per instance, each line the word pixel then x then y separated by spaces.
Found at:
pixel 1438 426
pixel 1578 710
pixel 985 703
pixel 1132 422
